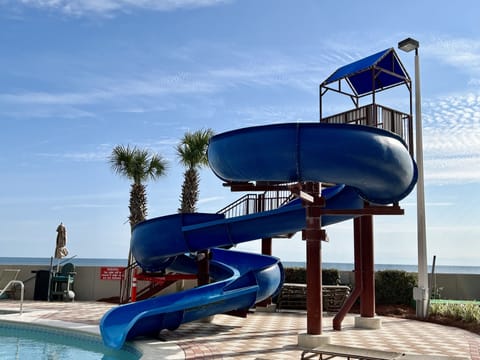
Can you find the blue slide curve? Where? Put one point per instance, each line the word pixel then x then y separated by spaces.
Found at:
pixel 369 163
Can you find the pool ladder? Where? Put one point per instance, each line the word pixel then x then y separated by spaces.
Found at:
pixel 22 291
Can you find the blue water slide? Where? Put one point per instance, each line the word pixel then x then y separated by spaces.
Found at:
pixel 375 165
pixel 252 278
pixel 373 161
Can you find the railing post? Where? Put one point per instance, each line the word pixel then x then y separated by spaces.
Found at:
pixel 134 285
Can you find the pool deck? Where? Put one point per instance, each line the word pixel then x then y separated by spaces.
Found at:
pixel 262 335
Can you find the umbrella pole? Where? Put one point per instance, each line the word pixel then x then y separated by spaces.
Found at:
pixel 50 279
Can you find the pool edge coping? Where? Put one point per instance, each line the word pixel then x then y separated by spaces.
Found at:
pixel 148 348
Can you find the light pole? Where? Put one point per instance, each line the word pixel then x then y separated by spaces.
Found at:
pixel 421 293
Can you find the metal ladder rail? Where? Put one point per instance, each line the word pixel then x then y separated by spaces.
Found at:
pixel 22 291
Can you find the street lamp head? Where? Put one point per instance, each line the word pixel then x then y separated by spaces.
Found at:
pixel 408 44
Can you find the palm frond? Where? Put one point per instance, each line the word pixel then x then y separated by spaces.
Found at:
pixel 192 150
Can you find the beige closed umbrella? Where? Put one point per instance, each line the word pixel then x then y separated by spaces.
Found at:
pixel 60 252
pixel 61 248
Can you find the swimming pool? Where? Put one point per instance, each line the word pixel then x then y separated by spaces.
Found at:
pixel 31 342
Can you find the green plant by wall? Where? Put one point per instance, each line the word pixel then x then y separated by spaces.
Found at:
pixel 466 312
pixel 394 287
pixel 298 275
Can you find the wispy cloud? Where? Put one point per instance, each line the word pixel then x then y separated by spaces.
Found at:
pixel 143 91
pixel 77 156
pixel 210 199
pixel 83 206
pixel 452 138
pixel 462 53
pixel 111 7
pixel 102 152
pixel 99 199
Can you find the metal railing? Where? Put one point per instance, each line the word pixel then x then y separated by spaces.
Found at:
pixel 254 203
pixel 22 291
pixel 380 117
pixel 126 283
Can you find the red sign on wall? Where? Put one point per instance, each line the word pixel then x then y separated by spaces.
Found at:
pixel 111 273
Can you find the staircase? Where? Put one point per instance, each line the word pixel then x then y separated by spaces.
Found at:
pixel 255 203
pixel 158 282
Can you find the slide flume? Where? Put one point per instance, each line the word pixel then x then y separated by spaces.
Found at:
pixel 375 165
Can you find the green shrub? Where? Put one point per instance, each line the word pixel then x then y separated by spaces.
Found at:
pixel 394 287
pixel 465 312
pixel 330 277
pixel 298 275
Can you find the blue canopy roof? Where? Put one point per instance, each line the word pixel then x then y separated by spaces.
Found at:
pixel 375 72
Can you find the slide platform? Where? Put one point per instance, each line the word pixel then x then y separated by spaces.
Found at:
pixel 374 164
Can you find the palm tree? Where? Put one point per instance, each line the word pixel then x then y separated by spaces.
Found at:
pixel 192 152
pixel 139 166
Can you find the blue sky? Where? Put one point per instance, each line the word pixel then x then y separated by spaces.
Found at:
pixel 79 77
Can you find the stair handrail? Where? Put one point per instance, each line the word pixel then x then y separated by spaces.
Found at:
pixel 125 283
pixel 253 203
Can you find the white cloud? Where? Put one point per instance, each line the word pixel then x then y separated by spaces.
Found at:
pixel 210 199
pixel 102 152
pixel 462 53
pixel 111 7
pixel 452 139
pixel 141 91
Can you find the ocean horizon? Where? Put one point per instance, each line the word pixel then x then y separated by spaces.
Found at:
pixel 107 262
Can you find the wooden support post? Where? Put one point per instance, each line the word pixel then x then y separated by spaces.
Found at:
pixel 314 287
pixel 367 299
pixel 267 246
pixel 203 268
pixel 313 234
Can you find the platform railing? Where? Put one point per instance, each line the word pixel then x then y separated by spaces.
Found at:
pixel 378 116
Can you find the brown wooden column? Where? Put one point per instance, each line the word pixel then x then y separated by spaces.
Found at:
pixel 267 246
pixel 313 234
pixel 203 268
pixel 367 299
pixel 314 287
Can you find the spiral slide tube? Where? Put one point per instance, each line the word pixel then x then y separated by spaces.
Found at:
pixel 370 164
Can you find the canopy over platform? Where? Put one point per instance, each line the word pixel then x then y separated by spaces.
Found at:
pixel 374 73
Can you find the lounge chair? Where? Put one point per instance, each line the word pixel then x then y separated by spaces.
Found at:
pixel 353 353
pixel 8 278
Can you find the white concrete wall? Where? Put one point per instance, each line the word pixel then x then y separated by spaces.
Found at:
pixel 88 285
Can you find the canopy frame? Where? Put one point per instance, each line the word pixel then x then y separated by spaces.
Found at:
pixel 367 76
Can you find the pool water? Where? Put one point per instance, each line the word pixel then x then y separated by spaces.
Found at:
pixel 18 342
